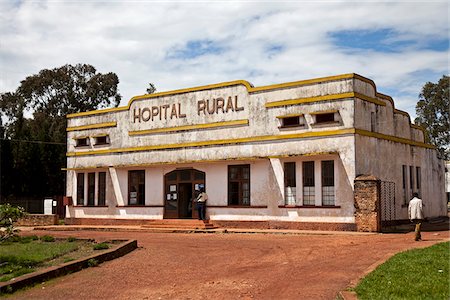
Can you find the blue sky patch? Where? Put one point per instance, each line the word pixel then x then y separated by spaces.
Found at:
pixel 194 49
pixel 273 50
pixel 383 40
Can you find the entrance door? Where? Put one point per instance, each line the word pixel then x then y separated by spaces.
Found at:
pixel 180 188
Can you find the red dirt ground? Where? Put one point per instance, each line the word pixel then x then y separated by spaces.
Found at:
pixel 228 266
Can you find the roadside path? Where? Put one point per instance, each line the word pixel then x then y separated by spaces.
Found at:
pixel 227 265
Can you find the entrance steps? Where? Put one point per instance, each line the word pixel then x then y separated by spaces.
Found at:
pixel 180 223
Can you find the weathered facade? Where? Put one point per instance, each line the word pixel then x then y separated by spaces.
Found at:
pixel 286 153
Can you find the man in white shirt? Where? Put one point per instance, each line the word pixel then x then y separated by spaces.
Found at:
pixel 201 204
pixel 415 213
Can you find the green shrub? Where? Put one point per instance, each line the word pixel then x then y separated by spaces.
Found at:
pixel 47 238
pixel 101 246
pixel 8 216
pixel 71 239
pixel 92 262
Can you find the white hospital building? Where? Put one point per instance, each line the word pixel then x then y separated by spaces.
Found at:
pixel 284 155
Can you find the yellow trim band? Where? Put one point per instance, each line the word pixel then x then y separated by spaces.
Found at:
pixel 92 126
pixel 241 158
pixel 216 142
pixel 255 139
pixel 393 138
pixel 190 127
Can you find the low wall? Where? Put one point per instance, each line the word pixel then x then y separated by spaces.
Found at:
pixel 38 220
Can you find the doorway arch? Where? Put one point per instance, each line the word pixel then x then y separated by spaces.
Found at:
pixel 180 187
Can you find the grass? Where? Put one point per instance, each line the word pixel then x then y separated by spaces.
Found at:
pixel 24 255
pixel 101 246
pixel 413 274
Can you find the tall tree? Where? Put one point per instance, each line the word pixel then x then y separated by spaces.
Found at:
pixel 36 146
pixel 433 113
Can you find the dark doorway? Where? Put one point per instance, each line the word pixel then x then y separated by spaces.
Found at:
pixel 180 190
pixel 185 200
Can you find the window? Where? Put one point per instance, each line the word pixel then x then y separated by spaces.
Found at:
pixel 324 118
pixel 290 121
pixel 309 195
pixel 102 140
pixel 289 183
pixel 404 180
pixel 82 141
pixel 91 189
pixel 418 178
pixel 101 188
pixel 373 121
pixel 411 179
pixel 239 185
pixel 328 197
pixel 80 189
pixel 136 187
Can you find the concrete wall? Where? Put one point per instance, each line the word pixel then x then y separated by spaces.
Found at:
pixel 266 197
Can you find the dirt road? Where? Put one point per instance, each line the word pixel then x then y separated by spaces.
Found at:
pixel 228 266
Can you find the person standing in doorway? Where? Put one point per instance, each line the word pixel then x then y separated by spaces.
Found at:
pixel 415 213
pixel 201 204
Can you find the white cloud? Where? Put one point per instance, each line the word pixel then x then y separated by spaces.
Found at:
pixel 134 40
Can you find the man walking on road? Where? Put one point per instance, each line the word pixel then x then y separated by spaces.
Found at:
pixel 415 213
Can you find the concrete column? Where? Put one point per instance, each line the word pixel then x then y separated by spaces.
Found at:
pixel 116 186
pixel 318 181
pixel 367 203
pixel 278 171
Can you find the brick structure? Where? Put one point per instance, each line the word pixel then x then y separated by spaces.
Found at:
pixel 367 203
pixel 38 220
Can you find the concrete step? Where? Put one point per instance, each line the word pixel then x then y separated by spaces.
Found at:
pixel 177 223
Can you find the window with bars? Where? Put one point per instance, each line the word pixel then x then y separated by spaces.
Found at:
pixel 91 189
pixel 309 194
pixel 418 180
pixel 101 188
pixel 411 180
pixel 80 189
pixel 289 183
pixel 328 194
pixel 239 185
pixel 136 187
pixel 404 181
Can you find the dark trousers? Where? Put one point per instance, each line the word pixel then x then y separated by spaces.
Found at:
pixel 418 223
pixel 201 208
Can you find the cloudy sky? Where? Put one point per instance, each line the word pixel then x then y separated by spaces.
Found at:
pixel 178 44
